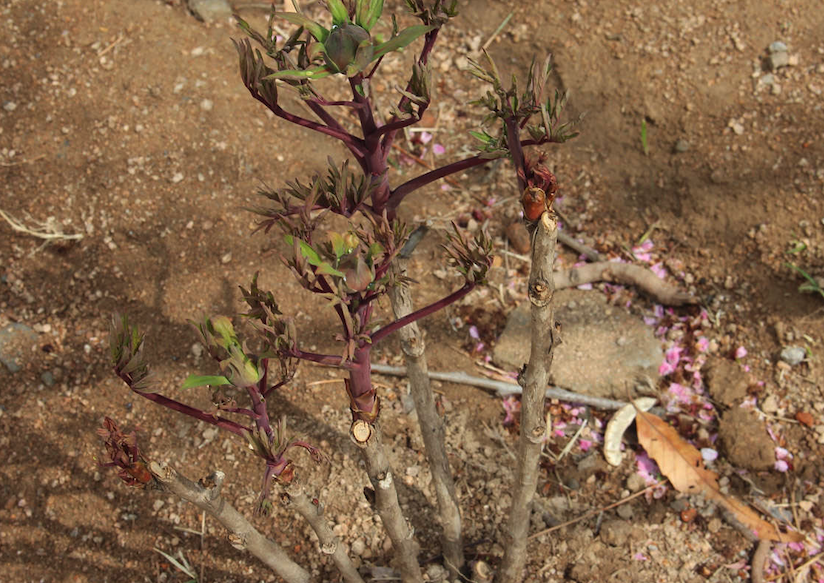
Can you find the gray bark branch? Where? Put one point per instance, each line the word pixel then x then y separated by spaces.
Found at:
pixel 242 534
pixel 431 424
pixel 329 543
pixel 536 376
pixel 389 508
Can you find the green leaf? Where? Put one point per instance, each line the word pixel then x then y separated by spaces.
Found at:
pixel 315 29
pixel 361 9
pixel 313 258
pixel 201 381
pixel 339 13
pixel 338 245
pixel 405 37
pixel 375 249
pixel 374 13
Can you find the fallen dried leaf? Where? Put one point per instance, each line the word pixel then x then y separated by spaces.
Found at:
pixel 682 464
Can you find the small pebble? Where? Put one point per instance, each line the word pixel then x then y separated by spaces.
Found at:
pixel 793 355
pixel 207 105
pixel 778 60
pixel 177 177
pixel 770 405
pixel 358 547
pixel 226 258
pixel 682 146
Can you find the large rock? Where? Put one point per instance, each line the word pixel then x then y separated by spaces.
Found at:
pixel 604 350
pixel 727 381
pixel 210 10
pixel 16 341
pixel 744 440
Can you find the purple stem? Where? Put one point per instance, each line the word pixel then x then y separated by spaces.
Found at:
pixel 258 403
pixel 516 150
pixel 274 387
pixel 325 359
pixel 402 190
pixel 428 45
pixel 354 143
pixel 240 411
pixel 422 313
pixel 375 163
pixel 399 193
pixel 209 418
pixel 360 376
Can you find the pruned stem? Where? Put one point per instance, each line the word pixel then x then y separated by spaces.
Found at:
pixel 432 428
pixel 533 426
pixel 388 507
pixel 242 534
pixel 329 543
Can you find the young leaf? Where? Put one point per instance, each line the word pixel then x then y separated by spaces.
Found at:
pixel 201 381
pixel 405 37
pixel 313 258
pixel 315 29
pixel 339 13
pixel 374 13
pixel 682 464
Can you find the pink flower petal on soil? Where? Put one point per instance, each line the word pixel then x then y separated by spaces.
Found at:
pixel 438 149
pixel 781 466
pixel 640 557
pixel 740 352
pixel 585 445
pixel 703 344
pixel 659 270
pixel 585 286
pixel 666 369
pixel 426 137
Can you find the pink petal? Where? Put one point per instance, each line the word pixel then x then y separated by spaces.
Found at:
pixel 438 149
pixel 426 137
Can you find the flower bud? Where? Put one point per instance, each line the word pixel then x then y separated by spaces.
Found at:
pixel 342 44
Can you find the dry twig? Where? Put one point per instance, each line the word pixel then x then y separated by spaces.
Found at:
pixel 624 273
pixel 504 388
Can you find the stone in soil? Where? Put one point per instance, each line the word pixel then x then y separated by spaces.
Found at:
pixel 603 351
pixel 210 10
pixel 793 355
pixel 518 237
pixel 16 341
pixel 727 382
pixel 744 440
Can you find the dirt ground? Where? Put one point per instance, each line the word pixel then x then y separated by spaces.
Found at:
pixel 125 121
